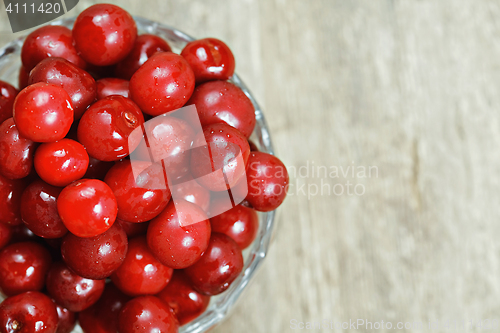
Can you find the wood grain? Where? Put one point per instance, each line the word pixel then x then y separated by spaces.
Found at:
pixel 408 87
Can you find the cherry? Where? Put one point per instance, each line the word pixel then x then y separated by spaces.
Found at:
pixel 186 302
pixel 193 192
pixel 219 266
pixel 132 229
pixel 97 169
pixel 72 291
pixel 105 128
pixel 23 267
pixel 179 235
pixel 112 86
pixel 222 101
pixel 16 152
pixel 240 223
pixel 61 163
pixel 145 46
pixel 23 78
pixel 102 317
pixel 96 257
pixel 10 200
pixel 7 96
pixel 5 235
pixel 227 152
pixel 210 59
pixel 141 273
pixel 147 314
pixel 140 196
pixel 79 84
pixel 39 210
pixel 43 112
pixel 267 181
pixel 87 207
pixel 49 41
pixel 104 34
pixel 30 312
pixel 67 320
pixel 164 83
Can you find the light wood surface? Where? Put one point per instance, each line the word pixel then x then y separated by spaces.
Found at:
pixel 408 88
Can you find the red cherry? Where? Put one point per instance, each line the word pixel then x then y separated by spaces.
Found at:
pixel 96 257
pixel 5 235
pixel 147 314
pixel 105 128
pixel 132 229
pixel 210 59
pixel 145 46
pixel 30 312
pixel 39 210
pixel 71 291
pixel 111 86
pixel 43 112
pixel 67 320
pixel 61 163
pixel 219 266
pixel 141 273
pixel 102 317
pixel 164 83
pixel 187 303
pixel 23 78
pixel 227 152
pixel 97 169
pixel 23 267
pixel 16 152
pixel 7 96
pixel 193 192
pixel 174 239
pixel 49 41
pixel 104 34
pixel 79 84
pixel 240 223
pixel 87 207
pixel 224 102
pixel 267 181
pixel 142 196
pixel 10 200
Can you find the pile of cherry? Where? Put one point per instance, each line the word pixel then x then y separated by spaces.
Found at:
pixel 79 237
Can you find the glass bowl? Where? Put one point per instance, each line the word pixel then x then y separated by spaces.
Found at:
pixel 220 305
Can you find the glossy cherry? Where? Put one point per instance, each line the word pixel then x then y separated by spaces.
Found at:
pixel 179 235
pixel 219 266
pixel 240 223
pixel 140 196
pixel 97 169
pixel 87 207
pixel 112 86
pixel 39 210
pixel 145 46
pixel 227 152
pixel 67 320
pixel 104 34
pixel 5 235
pixel 147 314
pixel 49 41
pixel 79 84
pixel 193 192
pixel 141 273
pixel 105 128
pixel 16 152
pixel 23 267
pixel 164 83
pixel 222 101
pixel 133 229
pixel 268 181
pixel 102 317
pixel 10 200
pixel 96 257
pixel 43 112
pixel 187 303
pixel 29 312
pixel 210 59
pixel 7 96
pixel 61 163
pixel 72 291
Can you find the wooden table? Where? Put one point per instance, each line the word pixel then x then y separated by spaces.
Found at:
pixel 406 94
